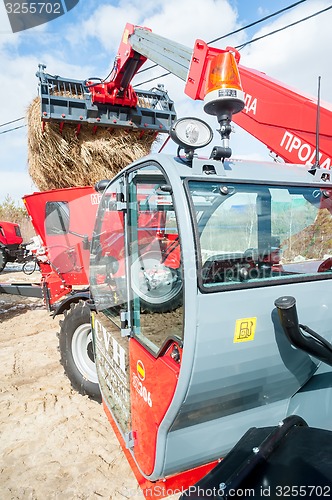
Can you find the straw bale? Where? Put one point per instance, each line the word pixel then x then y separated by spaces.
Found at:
pixel 59 160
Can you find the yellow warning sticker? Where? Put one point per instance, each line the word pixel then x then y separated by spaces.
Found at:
pixel 140 370
pixel 245 329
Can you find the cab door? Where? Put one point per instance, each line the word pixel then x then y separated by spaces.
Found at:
pixel 137 286
pixel 109 290
pixel 156 289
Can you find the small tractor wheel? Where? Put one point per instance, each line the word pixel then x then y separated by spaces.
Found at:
pixel 3 258
pixel 76 350
pixel 159 287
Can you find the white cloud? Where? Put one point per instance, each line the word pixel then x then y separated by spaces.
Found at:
pixel 299 54
pixel 188 20
pixel 183 21
pixel 107 25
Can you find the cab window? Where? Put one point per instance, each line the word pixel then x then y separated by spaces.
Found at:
pixel 108 256
pixel 56 217
pixel 250 234
pixel 156 270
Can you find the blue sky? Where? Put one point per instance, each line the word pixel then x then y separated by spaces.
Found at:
pixel 83 43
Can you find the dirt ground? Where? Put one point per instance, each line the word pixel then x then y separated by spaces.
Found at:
pixel 54 443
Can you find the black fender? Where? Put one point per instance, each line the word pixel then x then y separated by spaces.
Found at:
pixel 73 297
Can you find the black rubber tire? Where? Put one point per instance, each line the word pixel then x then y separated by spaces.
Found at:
pixel 76 350
pixel 157 299
pixel 3 258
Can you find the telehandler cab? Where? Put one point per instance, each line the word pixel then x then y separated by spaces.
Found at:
pixel 225 238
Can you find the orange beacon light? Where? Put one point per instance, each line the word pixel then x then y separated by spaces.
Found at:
pixel 214 77
pixel 223 89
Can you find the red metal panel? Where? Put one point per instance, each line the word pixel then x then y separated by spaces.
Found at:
pixel 8 235
pixel 35 205
pixel 165 487
pixel 65 252
pixel 200 67
pixel 284 119
pixel 153 382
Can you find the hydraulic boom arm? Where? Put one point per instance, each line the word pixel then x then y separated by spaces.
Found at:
pixel 280 117
pixel 285 119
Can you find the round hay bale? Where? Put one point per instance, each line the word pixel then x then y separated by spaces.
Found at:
pixel 60 160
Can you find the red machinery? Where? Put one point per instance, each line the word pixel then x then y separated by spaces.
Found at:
pixel 62 246
pixel 11 248
pixel 285 119
pixel 63 256
pixel 265 103
pixel 280 117
pixel 63 220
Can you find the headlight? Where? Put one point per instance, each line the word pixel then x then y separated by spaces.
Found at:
pixel 191 133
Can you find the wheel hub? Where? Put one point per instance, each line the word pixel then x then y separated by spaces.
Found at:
pixel 82 350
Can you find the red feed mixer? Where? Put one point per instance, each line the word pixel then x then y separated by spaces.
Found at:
pixel 63 256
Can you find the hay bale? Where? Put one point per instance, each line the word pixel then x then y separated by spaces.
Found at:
pixel 60 160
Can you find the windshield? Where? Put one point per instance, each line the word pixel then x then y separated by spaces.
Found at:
pixel 248 233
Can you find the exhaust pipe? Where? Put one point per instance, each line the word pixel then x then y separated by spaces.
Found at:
pixel 312 343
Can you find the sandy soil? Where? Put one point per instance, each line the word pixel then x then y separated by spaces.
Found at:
pixel 55 443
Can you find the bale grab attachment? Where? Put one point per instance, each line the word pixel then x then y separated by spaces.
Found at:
pixel 72 101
